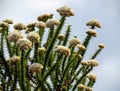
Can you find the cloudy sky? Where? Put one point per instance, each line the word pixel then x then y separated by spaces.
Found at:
pixel 107 11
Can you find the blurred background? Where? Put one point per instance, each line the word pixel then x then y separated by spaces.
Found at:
pixel 107 11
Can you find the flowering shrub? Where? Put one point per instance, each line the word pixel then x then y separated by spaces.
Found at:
pixel 53 65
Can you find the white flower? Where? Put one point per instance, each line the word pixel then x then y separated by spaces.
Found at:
pixel 65 11
pixel 63 50
pixel 24 44
pixel 35 68
pixel 14 36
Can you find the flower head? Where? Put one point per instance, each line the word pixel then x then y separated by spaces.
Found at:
pixel 89 89
pixel 14 36
pixel 4 25
pixel 44 17
pixel 65 11
pixel 92 32
pixel 94 23
pixel 40 24
pixel 52 22
pixel 24 44
pixel 81 87
pixel 41 50
pixel 92 76
pixel 33 36
pixel 19 26
pixel 13 60
pixel 81 47
pixel 61 36
pixel 74 41
pixel 31 25
pixel 93 62
pixel 101 46
pixel 9 21
pixel 84 62
pixel 35 68
pixel 63 50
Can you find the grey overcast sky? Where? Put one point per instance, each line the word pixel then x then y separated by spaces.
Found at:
pixel 107 11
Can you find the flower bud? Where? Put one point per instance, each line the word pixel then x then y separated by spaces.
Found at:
pixel 19 26
pixel 89 89
pixel 52 22
pixel 94 22
pixel 92 77
pixel 33 36
pixel 74 41
pixel 44 17
pixel 84 62
pixel 63 50
pixel 41 50
pixel 79 56
pixel 81 47
pixel 31 25
pixel 61 37
pixel 4 25
pixel 92 32
pixel 40 24
pixel 81 87
pixel 9 21
pixel 93 62
pixel 13 60
pixel 101 46
pixel 65 11
pixel 14 36
pixel 35 68
pixel 24 44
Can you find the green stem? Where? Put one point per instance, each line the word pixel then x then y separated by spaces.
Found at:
pixel 67 35
pixel 50 47
pixel 22 72
pixel 41 33
pixel 15 79
pixel 96 53
pixel 81 78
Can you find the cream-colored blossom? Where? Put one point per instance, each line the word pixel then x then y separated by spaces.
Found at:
pixel 44 17
pixel 35 68
pixel 9 21
pixel 92 32
pixel 14 36
pixel 92 76
pixel 84 62
pixel 24 44
pixel 101 46
pixel 94 22
pixel 41 50
pixel 79 56
pixel 61 36
pixel 40 24
pixel 33 36
pixel 65 11
pixel 93 62
pixel 63 50
pixel 52 22
pixel 31 25
pixel 4 25
pixel 74 41
pixel 19 26
pixel 81 87
pixel 13 60
pixel 89 89
pixel 81 47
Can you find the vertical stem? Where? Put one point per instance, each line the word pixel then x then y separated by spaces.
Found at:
pixel 22 72
pixel 50 47
pixel 41 33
